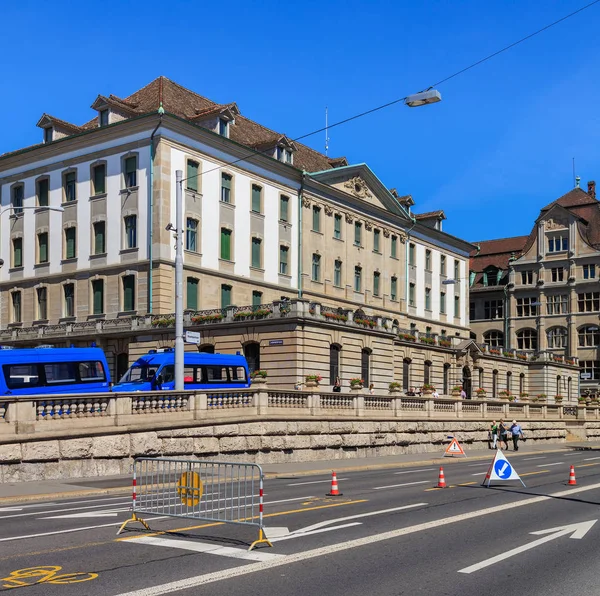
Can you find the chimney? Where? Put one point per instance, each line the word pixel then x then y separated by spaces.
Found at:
pixel 592 189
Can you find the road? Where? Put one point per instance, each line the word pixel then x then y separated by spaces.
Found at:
pixel 390 534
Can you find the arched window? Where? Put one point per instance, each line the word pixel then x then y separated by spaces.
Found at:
pixel 207 349
pixel 122 364
pixel 252 353
pixel 406 374
pixel 494 339
pixel 557 337
pixel 446 389
pixel 334 363
pixel 481 378
pixel 527 339
pixel 508 381
pixel 365 366
pixel 558 385
pixel 522 383
pixel 569 388
pixel 495 383
pixel 589 336
pixel 427 372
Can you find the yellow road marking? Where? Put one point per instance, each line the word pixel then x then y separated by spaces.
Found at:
pixel 57 550
pixel 44 575
pixel 532 473
pixel 586 465
pixel 467 483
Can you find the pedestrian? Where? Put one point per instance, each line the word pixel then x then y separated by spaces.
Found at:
pixel 435 394
pixel 516 432
pixel 411 392
pixel 337 386
pixel 494 434
pixel 503 432
pixel 371 389
pixel 463 393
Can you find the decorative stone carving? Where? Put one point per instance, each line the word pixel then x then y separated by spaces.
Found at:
pixel 306 202
pixel 328 210
pixel 402 237
pixel 358 188
pixel 386 233
pixel 349 218
pixel 556 223
pixel 368 226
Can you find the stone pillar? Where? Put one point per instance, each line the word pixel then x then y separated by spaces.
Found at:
pixel 22 414
pixel 542 340
pixel 511 339
pixel 359 405
pixel 262 401
pixel 200 405
pixel 572 322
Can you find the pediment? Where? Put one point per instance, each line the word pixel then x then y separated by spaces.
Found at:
pixel 557 218
pixel 469 346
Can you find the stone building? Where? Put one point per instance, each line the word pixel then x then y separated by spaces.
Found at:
pixel 539 293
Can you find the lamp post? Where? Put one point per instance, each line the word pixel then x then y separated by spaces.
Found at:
pixel 179 280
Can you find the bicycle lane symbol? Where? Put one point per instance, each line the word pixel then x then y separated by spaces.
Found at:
pixel 47 574
pixel 503 469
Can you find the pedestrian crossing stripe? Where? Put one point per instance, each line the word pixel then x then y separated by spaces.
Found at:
pixel 454 448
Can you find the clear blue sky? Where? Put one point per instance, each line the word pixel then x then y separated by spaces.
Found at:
pixel 498 147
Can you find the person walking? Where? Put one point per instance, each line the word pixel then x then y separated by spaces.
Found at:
pixel 494 435
pixel 517 432
pixel 372 389
pixel 503 432
pixel 337 386
pixel 435 394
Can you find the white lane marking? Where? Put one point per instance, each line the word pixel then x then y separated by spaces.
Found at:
pixel 290 500
pixel 400 485
pixel 477 465
pixel 320 531
pixel 591 458
pixel 414 471
pixel 57 510
pixel 104 513
pixel 6 509
pixel 577 531
pixel 207 578
pixel 313 482
pixel 532 458
pixel 206 547
pixel 554 464
pixel 570 454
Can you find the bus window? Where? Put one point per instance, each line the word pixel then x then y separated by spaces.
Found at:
pixel 215 374
pixel 238 373
pixel 59 372
pixel 189 374
pixel 91 371
pixel 20 375
pixel 168 373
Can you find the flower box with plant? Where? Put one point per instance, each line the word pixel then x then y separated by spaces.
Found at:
pixel 366 322
pixel 507 354
pixel 504 394
pixel 408 337
pixel 356 382
pixel 581 399
pixel 541 396
pixel 445 343
pixel 557 358
pixel 164 322
pixel 522 357
pixel 511 398
pixel 394 386
pixel 246 314
pixel 313 378
pixel 207 318
pixel 570 362
pixel 428 387
pixel 558 398
pixel 480 392
pixel 259 375
pixel 494 351
pixel 335 316
pixel 523 394
pixel 457 388
pixel 427 340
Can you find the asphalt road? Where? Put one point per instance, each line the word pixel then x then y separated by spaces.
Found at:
pixel 390 534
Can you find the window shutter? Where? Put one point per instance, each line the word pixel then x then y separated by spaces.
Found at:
pixel 192 293
pixel 225 244
pixel 192 175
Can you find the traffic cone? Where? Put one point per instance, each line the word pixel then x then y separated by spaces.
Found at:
pixel 335 491
pixel 441 479
pixel 572 480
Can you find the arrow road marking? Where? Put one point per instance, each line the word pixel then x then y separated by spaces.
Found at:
pixel 577 531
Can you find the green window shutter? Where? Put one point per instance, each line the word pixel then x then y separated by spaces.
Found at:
pixel 192 293
pixel 394 247
pixel 256 298
pixel 69 291
pixel 394 289
pixel 256 253
pixel 376 240
pixel 225 296
pixel 192 175
pixel 43 247
pixel 98 291
pixel 283 260
pixel 283 208
pixel 43 190
pixel 71 242
pixel 256 191
pixel 225 244
pixel 99 238
pixel 18 252
pixel 357 233
pixel 376 284
pixel 337 226
pixel 100 179
pixel 316 226
pixel 129 293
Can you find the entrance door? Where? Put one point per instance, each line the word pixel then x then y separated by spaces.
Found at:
pixel 467 381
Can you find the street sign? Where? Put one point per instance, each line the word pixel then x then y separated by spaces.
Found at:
pixel 586 376
pixel 501 469
pixel 275 342
pixel 454 448
pixel 192 337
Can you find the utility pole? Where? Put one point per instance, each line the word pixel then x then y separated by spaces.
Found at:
pixel 179 281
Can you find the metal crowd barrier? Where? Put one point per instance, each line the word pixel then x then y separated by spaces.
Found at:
pixel 225 492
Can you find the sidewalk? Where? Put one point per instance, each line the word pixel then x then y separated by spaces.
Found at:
pixel 83 487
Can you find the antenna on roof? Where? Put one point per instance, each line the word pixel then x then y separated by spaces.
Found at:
pixel 326 131
pixel 573 171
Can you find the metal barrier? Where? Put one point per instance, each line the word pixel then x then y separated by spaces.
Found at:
pixel 224 492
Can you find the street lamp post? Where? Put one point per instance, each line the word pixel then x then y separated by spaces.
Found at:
pixel 179 280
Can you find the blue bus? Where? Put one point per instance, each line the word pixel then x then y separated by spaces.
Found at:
pixel 48 370
pixel 156 370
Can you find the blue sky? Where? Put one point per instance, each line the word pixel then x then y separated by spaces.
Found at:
pixel 491 154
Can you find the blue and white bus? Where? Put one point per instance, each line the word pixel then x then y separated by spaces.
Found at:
pixel 48 370
pixel 156 370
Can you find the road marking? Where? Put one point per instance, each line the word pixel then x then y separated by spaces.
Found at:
pixel 586 465
pixel 85 514
pixel 534 473
pixel 320 531
pixel 466 483
pixel 577 531
pixel 414 471
pixel 44 575
pixel 478 465
pixel 554 464
pixel 313 482
pixel 211 549
pixel 590 458
pixel 532 458
pixel 56 511
pixel 289 500
pixel 207 578
pixel 405 484
pixel 3 509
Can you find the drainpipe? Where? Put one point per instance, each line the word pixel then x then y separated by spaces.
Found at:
pixel 300 196
pixel 161 111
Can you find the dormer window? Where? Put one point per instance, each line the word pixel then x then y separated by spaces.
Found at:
pixel 224 127
pixel 284 155
pixel 48 134
pixel 103 117
pixel 558 243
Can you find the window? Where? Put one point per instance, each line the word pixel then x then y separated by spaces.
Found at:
pixel 446 382
pixel 207 349
pixel 376 280
pixel 337 226
pixel 457 306
pixel 376 239
pixel 456 269
pixel 337 273
pixel 256 253
pixel 557 273
pixel 98 296
pixel 493 309
pixel 521 383
pixel 557 337
pixel 252 354
pixel 17 198
pixel 226 180
pixel 131 231
pixel 103 117
pixel 192 293
pixel 508 381
pixel 130 171
pixel 43 191
pixel 283 260
pixel 225 296
pixel 494 383
pixel 256 198
pixel 69 300
pixel 526 307
pixel 494 339
pixel 527 277
pixel 128 292
pixel 589 336
pixel 589 301
pixel 442 302
pixel 43 247
pixel 405 375
pixel 191 180
pixel 191 234
pixel 558 243
pixel 223 127
pixel 42 304
pixel 427 260
pixel 443 264
pixel 411 254
pixel 17 245
pixel 257 298
pixel 16 307
pixel 334 363
pixel 472 311
pixel 70 186
pixel 284 205
pixel 394 247
pixel 492 276
pixel 226 244
pixel 411 294
pixel 70 243
pixel 365 368
pixel 394 288
pixel 589 272
pixel 316 220
pixel 99 179
pixel 48 134
pixel 427 298
pixel 316 267
pixel 591 367
pixel 427 372
pixel 556 304
pixel 527 339
pixel 358 279
pixel 357 233
pixel 99 237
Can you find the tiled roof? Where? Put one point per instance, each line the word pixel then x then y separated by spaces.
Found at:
pixel 430 215
pixel 573 198
pixel 496 253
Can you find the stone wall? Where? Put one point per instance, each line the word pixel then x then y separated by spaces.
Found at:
pixel 260 442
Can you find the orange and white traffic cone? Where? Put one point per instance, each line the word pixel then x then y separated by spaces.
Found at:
pixel 441 479
pixel 572 479
pixel 335 491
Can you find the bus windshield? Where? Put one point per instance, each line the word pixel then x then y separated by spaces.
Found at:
pixel 139 373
